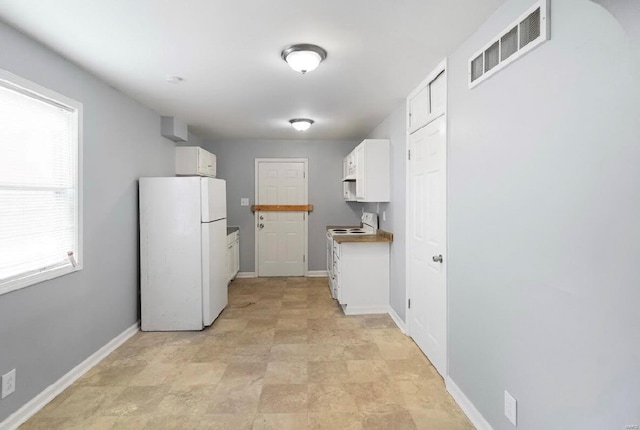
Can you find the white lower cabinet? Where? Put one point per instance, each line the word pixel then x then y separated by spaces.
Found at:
pixel 361 277
pixel 233 255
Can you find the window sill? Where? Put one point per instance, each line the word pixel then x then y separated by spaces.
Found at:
pixel 27 281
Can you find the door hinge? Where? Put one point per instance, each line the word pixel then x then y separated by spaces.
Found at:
pixel 304 216
pixel 409 303
pixel 409 154
pixel 304 175
pixel 304 258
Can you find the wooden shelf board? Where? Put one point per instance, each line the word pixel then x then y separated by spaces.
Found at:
pixel 282 208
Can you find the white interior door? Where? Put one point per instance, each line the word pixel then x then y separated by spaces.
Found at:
pixel 427 237
pixel 281 236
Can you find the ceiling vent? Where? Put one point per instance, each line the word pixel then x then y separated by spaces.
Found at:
pixel 523 35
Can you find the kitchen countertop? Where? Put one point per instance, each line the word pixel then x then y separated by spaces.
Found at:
pixel 381 236
pixel 232 229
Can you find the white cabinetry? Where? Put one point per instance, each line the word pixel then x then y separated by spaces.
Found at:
pixel 350 166
pixel 330 275
pixel 360 173
pixel 349 177
pixel 195 161
pixel 367 172
pixel 361 276
pixel 233 255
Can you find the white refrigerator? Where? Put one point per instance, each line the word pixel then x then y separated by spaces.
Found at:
pixel 183 244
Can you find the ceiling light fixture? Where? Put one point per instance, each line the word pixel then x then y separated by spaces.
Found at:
pixel 301 124
pixel 174 79
pixel 303 57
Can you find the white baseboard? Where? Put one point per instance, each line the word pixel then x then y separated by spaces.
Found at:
pixel 364 310
pixel 28 410
pixel 317 274
pixel 396 319
pixel 310 274
pixel 467 407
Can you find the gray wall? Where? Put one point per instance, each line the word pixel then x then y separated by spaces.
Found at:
pixel 394 128
pixel 194 140
pixel 544 231
pixel 236 164
pixel 48 328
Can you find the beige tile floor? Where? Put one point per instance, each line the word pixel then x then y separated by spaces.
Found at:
pixel 281 356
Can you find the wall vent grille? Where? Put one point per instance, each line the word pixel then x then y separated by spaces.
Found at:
pixel 526 33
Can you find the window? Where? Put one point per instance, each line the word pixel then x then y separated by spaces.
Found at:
pixel 40 184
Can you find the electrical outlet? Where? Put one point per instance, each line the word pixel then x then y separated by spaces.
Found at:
pixel 244 201
pixel 510 408
pixel 384 215
pixel 8 383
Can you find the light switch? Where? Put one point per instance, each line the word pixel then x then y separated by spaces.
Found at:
pixel 510 408
pixel 244 201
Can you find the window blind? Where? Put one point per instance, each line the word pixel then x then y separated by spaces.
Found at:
pixel 38 183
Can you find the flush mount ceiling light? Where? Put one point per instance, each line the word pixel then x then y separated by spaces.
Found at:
pixel 174 79
pixel 303 57
pixel 301 124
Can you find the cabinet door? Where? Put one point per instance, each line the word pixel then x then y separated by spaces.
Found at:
pixel 360 172
pixel 329 256
pixel 236 257
pixel 206 163
pixel 351 167
pixel 336 273
pixel 230 262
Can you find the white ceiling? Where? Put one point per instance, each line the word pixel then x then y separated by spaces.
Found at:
pixel 228 51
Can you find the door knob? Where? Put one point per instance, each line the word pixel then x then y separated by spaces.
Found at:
pixel 260 225
pixel 261 217
pixel 437 258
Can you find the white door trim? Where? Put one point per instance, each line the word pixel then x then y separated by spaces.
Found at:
pixel 441 67
pixel 306 218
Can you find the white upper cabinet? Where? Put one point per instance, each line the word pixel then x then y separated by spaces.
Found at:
pixel 371 179
pixel 350 167
pixel 349 178
pixel 427 103
pixel 195 161
pixel 360 178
